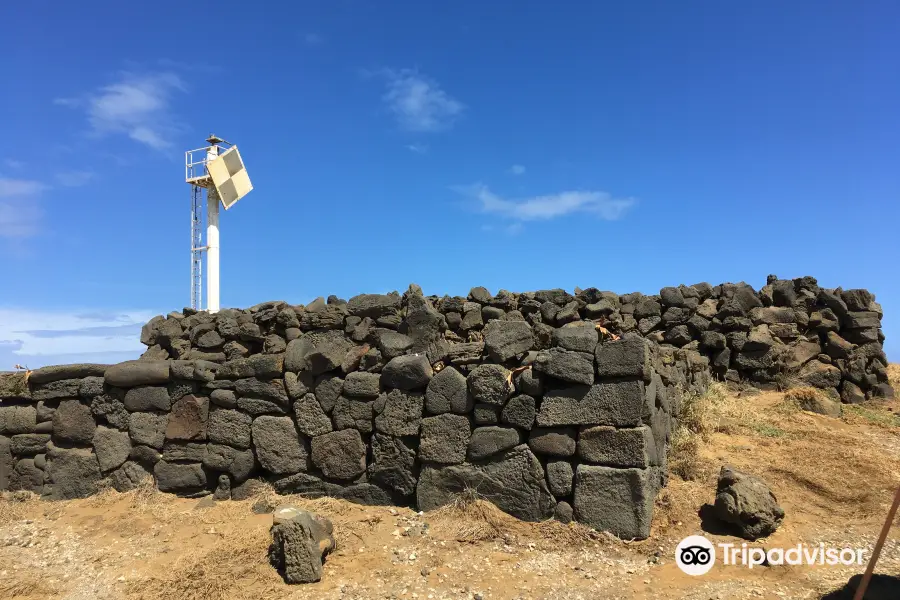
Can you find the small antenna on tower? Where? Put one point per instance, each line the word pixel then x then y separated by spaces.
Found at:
pixel 219 169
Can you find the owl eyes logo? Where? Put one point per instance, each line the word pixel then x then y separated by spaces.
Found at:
pixel 695 555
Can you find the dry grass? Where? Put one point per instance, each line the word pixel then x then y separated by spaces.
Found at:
pixel 14 506
pixel 470 519
pixel 237 560
pixel 802 395
pixel 699 419
pixel 894 375
pixel 27 585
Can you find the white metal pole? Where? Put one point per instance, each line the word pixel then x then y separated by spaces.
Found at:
pixel 212 250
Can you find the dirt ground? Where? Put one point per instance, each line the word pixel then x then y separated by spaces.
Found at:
pixel 835 479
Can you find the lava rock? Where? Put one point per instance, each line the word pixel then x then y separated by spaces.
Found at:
pixel 747 504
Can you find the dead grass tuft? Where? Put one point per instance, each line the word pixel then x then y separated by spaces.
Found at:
pixel 470 519
pixel 802 395
pixel 27 584
pixel 239 559
pixel 699 418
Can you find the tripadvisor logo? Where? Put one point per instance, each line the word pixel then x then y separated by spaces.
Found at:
pixel 696 555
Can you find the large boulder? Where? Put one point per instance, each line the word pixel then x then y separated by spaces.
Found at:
pixel 488 441
pixel 615 402
pixel 820 375
pixel 513 481
pixel 747 504
pixel 73 423
pixel 73 473
pixel 553 441
pixel 231 427
pixel 618 447
pixel 145 398
pixel 447 392
pixel 489 384
pixel 624 358
pixel 573 367
pixel 445 439
pixel 188 419
pixel 18 419
pixel 505 339
pixel 374 305
pixel 179 478
pixel 239 464
pixel 317 352
pixel 148 429
pixel 59 372
pixel 339 454
pixel 137 372
pixel 112 447
pixel 352 413
pixel 579 337
pixel 311 418
pixel 278 445
pixel 362 385
pixel 520 411
pixel 261 366
pixel 393 464
pixel 401 414
pixel 300 542
pixel 410 372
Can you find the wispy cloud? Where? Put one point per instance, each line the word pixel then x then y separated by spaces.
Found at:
pixel 417 148
pixel 419 103
pixel 75 178
pixel 12 188
pixel 36 337
pixel 13 164
pixel 542 208
pixel 138 105
pixel 517 169
pixel 20 215
pixel 313 39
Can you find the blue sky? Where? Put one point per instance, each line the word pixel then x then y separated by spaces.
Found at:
pixel 518 145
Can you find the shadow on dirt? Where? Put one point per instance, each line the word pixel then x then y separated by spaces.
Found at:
pixel 712 524
pixel 881 587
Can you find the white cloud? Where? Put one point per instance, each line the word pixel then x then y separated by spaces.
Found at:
pixel 517 169
pixel 13 164
pixel 313 39
pixel 36 337
pixel 74 178
pixel 542 208
pixel 417 148
pixel 20 215
pixel 418 103
pixel 138 105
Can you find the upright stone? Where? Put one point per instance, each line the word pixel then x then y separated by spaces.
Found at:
pixel 619 501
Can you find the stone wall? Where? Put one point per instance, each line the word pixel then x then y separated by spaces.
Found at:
pixel 545 403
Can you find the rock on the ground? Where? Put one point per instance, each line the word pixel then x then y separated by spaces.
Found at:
pixel 300 543
pixel 747 504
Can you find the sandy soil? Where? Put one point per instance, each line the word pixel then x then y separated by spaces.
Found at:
pixel 835 479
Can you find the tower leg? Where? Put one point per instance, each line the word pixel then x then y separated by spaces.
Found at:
pixel 212 251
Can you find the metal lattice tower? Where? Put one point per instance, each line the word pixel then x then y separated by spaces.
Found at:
pixel 196 249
